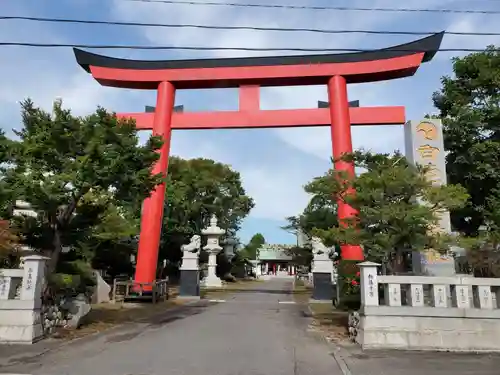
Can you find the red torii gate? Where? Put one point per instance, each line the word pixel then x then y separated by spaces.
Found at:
pixel 249 74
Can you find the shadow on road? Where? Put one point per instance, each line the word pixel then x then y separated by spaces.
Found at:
pixel 182 312
pixel 22 355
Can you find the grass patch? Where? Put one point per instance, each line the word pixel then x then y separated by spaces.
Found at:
pixel 301 292
pixel 104 316
pixel 329 322
pixel 326 320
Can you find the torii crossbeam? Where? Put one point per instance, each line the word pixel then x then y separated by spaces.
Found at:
pixel 249 74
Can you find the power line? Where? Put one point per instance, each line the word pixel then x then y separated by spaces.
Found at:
pixel 195 48
pixel 253 28
pixel 310 7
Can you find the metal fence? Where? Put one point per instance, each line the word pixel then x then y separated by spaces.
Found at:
pixel 129 290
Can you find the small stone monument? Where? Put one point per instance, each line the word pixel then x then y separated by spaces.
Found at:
pixel 189 287
pixel 102 289
pixel 78 308
pixel 322 270
pixel 213 233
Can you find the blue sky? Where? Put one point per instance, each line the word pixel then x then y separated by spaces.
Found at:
pixel 274 163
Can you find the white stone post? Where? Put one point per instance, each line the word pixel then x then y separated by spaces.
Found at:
pixel 213 233
pixel 439 298
pixel 483 297
pixel 33 279
pixel 392 294
pixel 21 321
pixel 416 295
pixel 461 296
pixel 5 286
pixel 369 283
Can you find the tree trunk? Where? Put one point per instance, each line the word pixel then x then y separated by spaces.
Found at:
pixel 398 265
pixel 61 221
pixel 384 266
pixel 57 248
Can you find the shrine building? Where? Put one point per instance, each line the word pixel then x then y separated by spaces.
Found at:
pixel 274 260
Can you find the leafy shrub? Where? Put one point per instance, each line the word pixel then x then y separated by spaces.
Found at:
pixel 349 284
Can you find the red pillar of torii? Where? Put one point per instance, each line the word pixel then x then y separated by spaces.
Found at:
pixel 249 74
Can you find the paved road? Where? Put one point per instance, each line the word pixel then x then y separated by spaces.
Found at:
pixel 391 362
pixel 252 333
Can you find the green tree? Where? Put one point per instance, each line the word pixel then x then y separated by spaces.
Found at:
pixel 9 245
pixel 196 189
pixel 110 237
pixel 251 249
pixel 301 255
pixel 469 104
pixel 60 158
pixel 320 213
pixel 483 252
pixel 6 191
pixel 391 221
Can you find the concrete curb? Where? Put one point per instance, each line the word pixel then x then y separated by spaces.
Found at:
pixel 336 354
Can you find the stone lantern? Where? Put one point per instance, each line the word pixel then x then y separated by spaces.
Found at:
pixel 213 233
pixel 229 245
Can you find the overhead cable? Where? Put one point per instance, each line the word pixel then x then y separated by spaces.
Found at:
pixel 312 7
pixel 201 48
pixel 253 28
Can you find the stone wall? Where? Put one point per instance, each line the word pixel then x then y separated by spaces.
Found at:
pixel 21 303
pixel 462 313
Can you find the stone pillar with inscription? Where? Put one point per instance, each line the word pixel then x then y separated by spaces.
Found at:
pixel 425 146
pixel 33 279
pixel 369 284
pixel 26 320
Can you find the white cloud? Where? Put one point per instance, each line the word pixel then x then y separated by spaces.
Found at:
pixel 43 75
pixel 268 186
pixel 277 193
pixel 277 190
pixel 275 184
pixel 314 141
pixel 470 23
